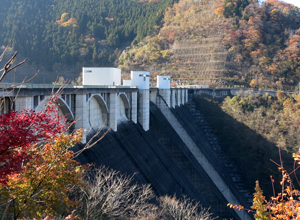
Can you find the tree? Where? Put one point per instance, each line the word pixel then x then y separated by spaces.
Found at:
pixel 258 204
pixel 42 185
pixel 108 193
pixel 234 8
pixel 283 206
pixel 182 209
pixel 22 130
pixel 36 167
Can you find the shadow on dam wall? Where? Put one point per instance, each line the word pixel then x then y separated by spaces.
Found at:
pixel 249 151
pixel 158 157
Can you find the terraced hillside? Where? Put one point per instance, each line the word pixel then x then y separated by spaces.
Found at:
pixel 188 46
pixel 204 60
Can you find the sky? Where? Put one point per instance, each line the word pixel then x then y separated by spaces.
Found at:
pixel 294 2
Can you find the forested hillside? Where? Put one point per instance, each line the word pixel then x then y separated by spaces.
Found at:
pixel 263 45
pixel 224 43
pixel 187 47
pixel 220 43
pixel 54 34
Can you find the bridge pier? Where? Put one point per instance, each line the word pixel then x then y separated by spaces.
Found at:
pixel 113 108
pixel 134 106
pixel 153 95
pixel 166 94
pixel 24 102
pixel 81 115
pixel 178 97
pixel 144 108
pixel 186 96
pixel 173 98
pixel 141 80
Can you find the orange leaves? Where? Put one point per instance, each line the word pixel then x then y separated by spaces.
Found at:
pixel 285 205
pixel 281 95
pixel 66 21
pixel 295 39
pixel 239 207
pixel 274 13
pixel 254 35
pixel 249 44
pixel 253 83
pixel 219 11
pixel 44 181
pixel 250 21
pixel 296 156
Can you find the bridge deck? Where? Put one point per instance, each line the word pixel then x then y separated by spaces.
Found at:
pixel 9 89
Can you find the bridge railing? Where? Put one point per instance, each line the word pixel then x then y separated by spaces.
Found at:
pixel 49 86
pixel 223 92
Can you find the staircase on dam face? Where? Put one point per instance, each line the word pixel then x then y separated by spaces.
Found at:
pixel 186 161
pixel 201 151
pixel 229 167
pixel 186 115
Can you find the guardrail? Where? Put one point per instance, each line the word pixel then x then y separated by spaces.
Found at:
pixel 222 92
pixel 55 86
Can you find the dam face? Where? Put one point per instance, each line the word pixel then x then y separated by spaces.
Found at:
pixel 160 157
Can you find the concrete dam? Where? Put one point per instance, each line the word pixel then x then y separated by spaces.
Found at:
pixel 157 135
pixel 161 157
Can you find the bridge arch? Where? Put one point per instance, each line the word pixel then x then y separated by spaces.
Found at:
pixel 97 111
pixel 123 107
pixel 63 109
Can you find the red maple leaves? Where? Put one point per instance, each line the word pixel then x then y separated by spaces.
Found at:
pixel 19 131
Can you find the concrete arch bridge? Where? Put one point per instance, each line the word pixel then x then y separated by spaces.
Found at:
pixel 93 106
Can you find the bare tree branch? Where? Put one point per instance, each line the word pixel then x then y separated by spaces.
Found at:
pixel 109 193
pixel 183 209
pixel 8 65
pixel 2 55
pixel 91 141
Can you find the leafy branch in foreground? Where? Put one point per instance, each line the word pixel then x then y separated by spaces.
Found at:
pixel 20 131
pixel 42 185
pixel 283 206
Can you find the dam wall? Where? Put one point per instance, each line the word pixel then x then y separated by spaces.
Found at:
pixel 196 148
pixel 133 151
pixel 160 157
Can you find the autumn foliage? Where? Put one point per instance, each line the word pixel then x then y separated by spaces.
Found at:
pixel 43 183
pixel 37 167
pixel 281 206
pixel 21 131
pixel 277 119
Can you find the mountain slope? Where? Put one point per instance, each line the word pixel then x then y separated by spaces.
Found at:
pixel 58 34
pixel 224 43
